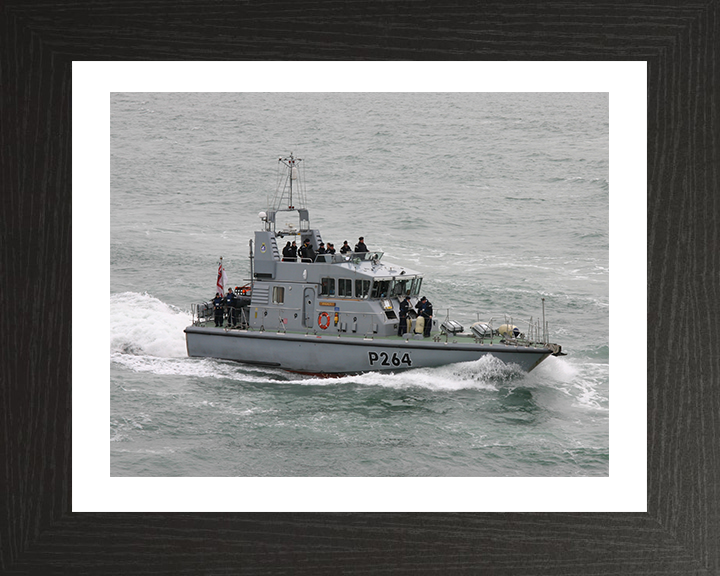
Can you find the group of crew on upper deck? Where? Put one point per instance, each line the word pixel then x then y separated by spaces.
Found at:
pixel 306 252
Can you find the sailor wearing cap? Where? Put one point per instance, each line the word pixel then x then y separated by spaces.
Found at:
pixel 404 307
pixel 425 309
pixel 230 305
pixel 218 309
pixel 306 251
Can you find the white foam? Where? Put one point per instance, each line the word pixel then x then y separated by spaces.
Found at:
pixel 484 374
pixel 580 381
pixel 141 324
pixel 194 367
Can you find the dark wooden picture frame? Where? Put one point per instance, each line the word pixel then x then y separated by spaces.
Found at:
pixel 680 533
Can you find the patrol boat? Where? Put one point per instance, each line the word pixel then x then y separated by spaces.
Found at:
pixel 335 314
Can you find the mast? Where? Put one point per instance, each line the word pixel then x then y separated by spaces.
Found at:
pixel 293 170
pixel 289 195
pixel 288 184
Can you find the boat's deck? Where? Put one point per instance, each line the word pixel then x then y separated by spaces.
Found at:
pixel 211 324
pixel 436 335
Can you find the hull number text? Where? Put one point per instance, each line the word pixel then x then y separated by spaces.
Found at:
pixel 385 359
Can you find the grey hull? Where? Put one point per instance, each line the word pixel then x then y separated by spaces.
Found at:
pixel 322 354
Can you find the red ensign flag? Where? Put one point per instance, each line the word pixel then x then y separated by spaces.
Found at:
pixel 221 279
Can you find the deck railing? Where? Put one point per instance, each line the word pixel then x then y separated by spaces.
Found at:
pixel 339 258
pixel 232 316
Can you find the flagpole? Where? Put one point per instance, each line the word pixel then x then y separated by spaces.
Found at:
pixel 220 284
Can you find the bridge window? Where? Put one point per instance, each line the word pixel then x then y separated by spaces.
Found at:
pixel 401 288
pixel 362 287
pixel 327 287
pixel 345 287
pixel 381 288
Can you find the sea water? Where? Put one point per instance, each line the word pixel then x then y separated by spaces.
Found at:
pixel 500 200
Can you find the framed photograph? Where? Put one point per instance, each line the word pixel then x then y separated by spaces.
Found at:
pixel 649 508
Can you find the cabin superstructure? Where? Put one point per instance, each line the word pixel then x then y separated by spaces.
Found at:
pixel 355 293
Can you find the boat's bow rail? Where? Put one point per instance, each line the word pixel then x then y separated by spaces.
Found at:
pixel 506 333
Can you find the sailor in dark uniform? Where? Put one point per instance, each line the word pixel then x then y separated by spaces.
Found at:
pixel 424 308
pixel 287 251
pixel 331 248
pixel 345 248
pixel 293 251
pixel 218 308
pixel 404 307
pixel 360 246
pixel 230 305
pixel 307 252
pixel 322 250
pixel 427 312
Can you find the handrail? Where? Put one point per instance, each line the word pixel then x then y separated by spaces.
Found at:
pixel 337 258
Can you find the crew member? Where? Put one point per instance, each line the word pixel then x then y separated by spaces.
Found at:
pixel 293 251
pixel 424 308
pixel 322 250
pixel 404 307
pixel 331 248
pixel 218 309
pixel 345 248
pixel 306 251
pixel 360 246
pixel 427 313
pixel 230 305
pixel 287 251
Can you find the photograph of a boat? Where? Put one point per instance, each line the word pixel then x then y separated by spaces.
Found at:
pixel 320 311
